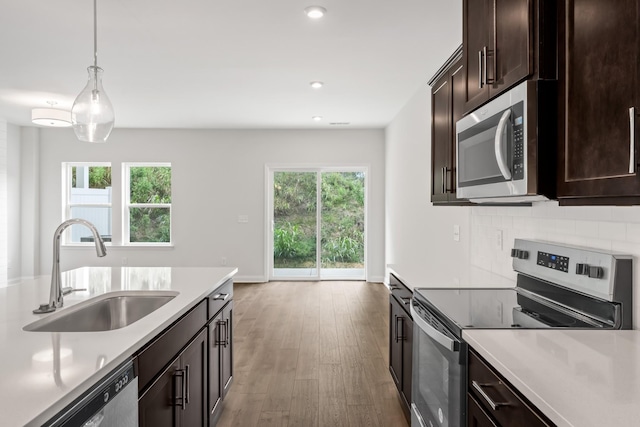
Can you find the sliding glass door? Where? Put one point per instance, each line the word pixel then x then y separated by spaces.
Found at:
pixel 318 224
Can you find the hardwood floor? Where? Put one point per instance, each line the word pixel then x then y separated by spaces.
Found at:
pixel 311 354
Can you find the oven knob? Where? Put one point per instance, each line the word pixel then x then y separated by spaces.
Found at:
pixel 519 253
pixel 582 269
pixel 596 272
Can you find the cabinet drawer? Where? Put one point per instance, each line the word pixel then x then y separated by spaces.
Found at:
pixel 163 349
pixel 401 292
pixel 499 399
pixel 218 298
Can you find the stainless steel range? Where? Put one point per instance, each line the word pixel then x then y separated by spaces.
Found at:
pixel 557 287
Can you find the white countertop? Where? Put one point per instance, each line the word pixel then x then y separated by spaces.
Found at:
pixel 30 393
pixel 577 378
pixel 467 277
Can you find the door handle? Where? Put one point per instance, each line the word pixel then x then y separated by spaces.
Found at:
pixel 187 387
pixel 484 65
pixel 632 140
pixel 179 373
pixel 480 83
pixel 444 178
pixel 227 325
pixel 500 155
pixel 398 336
pixel 219 340
pixel 494 405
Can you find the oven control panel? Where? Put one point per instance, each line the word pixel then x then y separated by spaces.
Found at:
pixel 553 261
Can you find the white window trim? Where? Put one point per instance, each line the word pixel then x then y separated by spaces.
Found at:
pixel 126 179
pixel 67 176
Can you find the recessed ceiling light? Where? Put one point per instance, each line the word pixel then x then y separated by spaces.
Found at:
pixel 317 118
pixel 315 12
pixel 316 85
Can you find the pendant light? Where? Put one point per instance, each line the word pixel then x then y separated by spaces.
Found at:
pixel 92 114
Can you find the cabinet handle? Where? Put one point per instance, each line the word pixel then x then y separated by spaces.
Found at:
pixel 219 340
pixel 444 177
pixel 494 405
pixel 220 297
pixel 187 381
pixel 484 65
pixel 632 140
pixel 227 325
pixel 494 80
pixel 393 287
pixel 398 336
pixel 406 300
pixel 179 373
pixel 480 69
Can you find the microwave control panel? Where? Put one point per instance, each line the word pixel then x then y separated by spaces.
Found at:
pixel 518 141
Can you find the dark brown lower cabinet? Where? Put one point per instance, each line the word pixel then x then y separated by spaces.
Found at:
pixel 493 402
pixel 185 372
pixel 220 359
pixel 178 396
pixel 401 342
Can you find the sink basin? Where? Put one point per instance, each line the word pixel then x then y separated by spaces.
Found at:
pixel 113 310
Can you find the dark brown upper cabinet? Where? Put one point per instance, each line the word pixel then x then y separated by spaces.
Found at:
pixel 447 107
pixel 599 102
pixel 505 42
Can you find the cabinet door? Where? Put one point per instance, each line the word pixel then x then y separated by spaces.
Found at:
pixel 477 26
pixel 407 358
pixel 215 390
pixel 512 58
pixel 600 47
pixel 457 111
pixel 226 352
pixel 158 407
pixel 194 366
pixel 441 138
pixel 395 342
pixel 476 416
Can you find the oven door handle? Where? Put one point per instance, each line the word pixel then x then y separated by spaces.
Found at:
pixel 500 155
pixel 433 333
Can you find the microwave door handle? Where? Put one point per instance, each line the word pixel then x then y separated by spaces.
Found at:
pixel 433 333
pixel 500 155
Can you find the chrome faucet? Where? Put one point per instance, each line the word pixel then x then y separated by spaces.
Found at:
pixel 56 294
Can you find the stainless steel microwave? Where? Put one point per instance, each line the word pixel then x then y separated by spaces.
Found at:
pixel 506 149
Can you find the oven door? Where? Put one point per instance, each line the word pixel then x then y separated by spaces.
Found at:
pixel 439 374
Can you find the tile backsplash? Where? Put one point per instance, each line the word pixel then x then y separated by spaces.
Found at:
pixel 493 230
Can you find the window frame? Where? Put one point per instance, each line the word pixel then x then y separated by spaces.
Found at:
pixel 67 179
pixel 127 205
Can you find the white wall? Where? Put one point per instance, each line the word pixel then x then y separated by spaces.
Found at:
pixel 419 235
pixel 217 175
pixel 14 246
pixel 4 199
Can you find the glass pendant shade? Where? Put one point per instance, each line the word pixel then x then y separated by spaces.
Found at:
pixel 92 115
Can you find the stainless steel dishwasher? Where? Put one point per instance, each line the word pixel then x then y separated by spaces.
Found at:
pixel 112 402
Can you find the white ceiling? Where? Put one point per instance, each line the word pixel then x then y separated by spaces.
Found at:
pixel 226 63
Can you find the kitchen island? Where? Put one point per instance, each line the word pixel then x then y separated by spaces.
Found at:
pixel 32 390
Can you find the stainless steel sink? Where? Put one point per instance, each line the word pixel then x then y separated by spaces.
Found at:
pixel 113 310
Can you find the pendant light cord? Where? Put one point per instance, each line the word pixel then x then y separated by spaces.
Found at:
pixel 95 34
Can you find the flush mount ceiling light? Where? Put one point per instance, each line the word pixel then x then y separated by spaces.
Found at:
pixel 92 114
pixel 316 85
pixel 51 116
pixel 315 12
pixel 317 118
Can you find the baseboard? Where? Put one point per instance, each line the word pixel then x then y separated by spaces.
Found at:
pixel 376 279
pixel 250 279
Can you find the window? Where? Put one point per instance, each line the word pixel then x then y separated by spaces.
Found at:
pixel 147 209
pixel 88 196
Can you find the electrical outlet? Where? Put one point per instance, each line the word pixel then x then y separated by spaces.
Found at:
pixel 456 233
pixel 499 240
pixel 223 261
